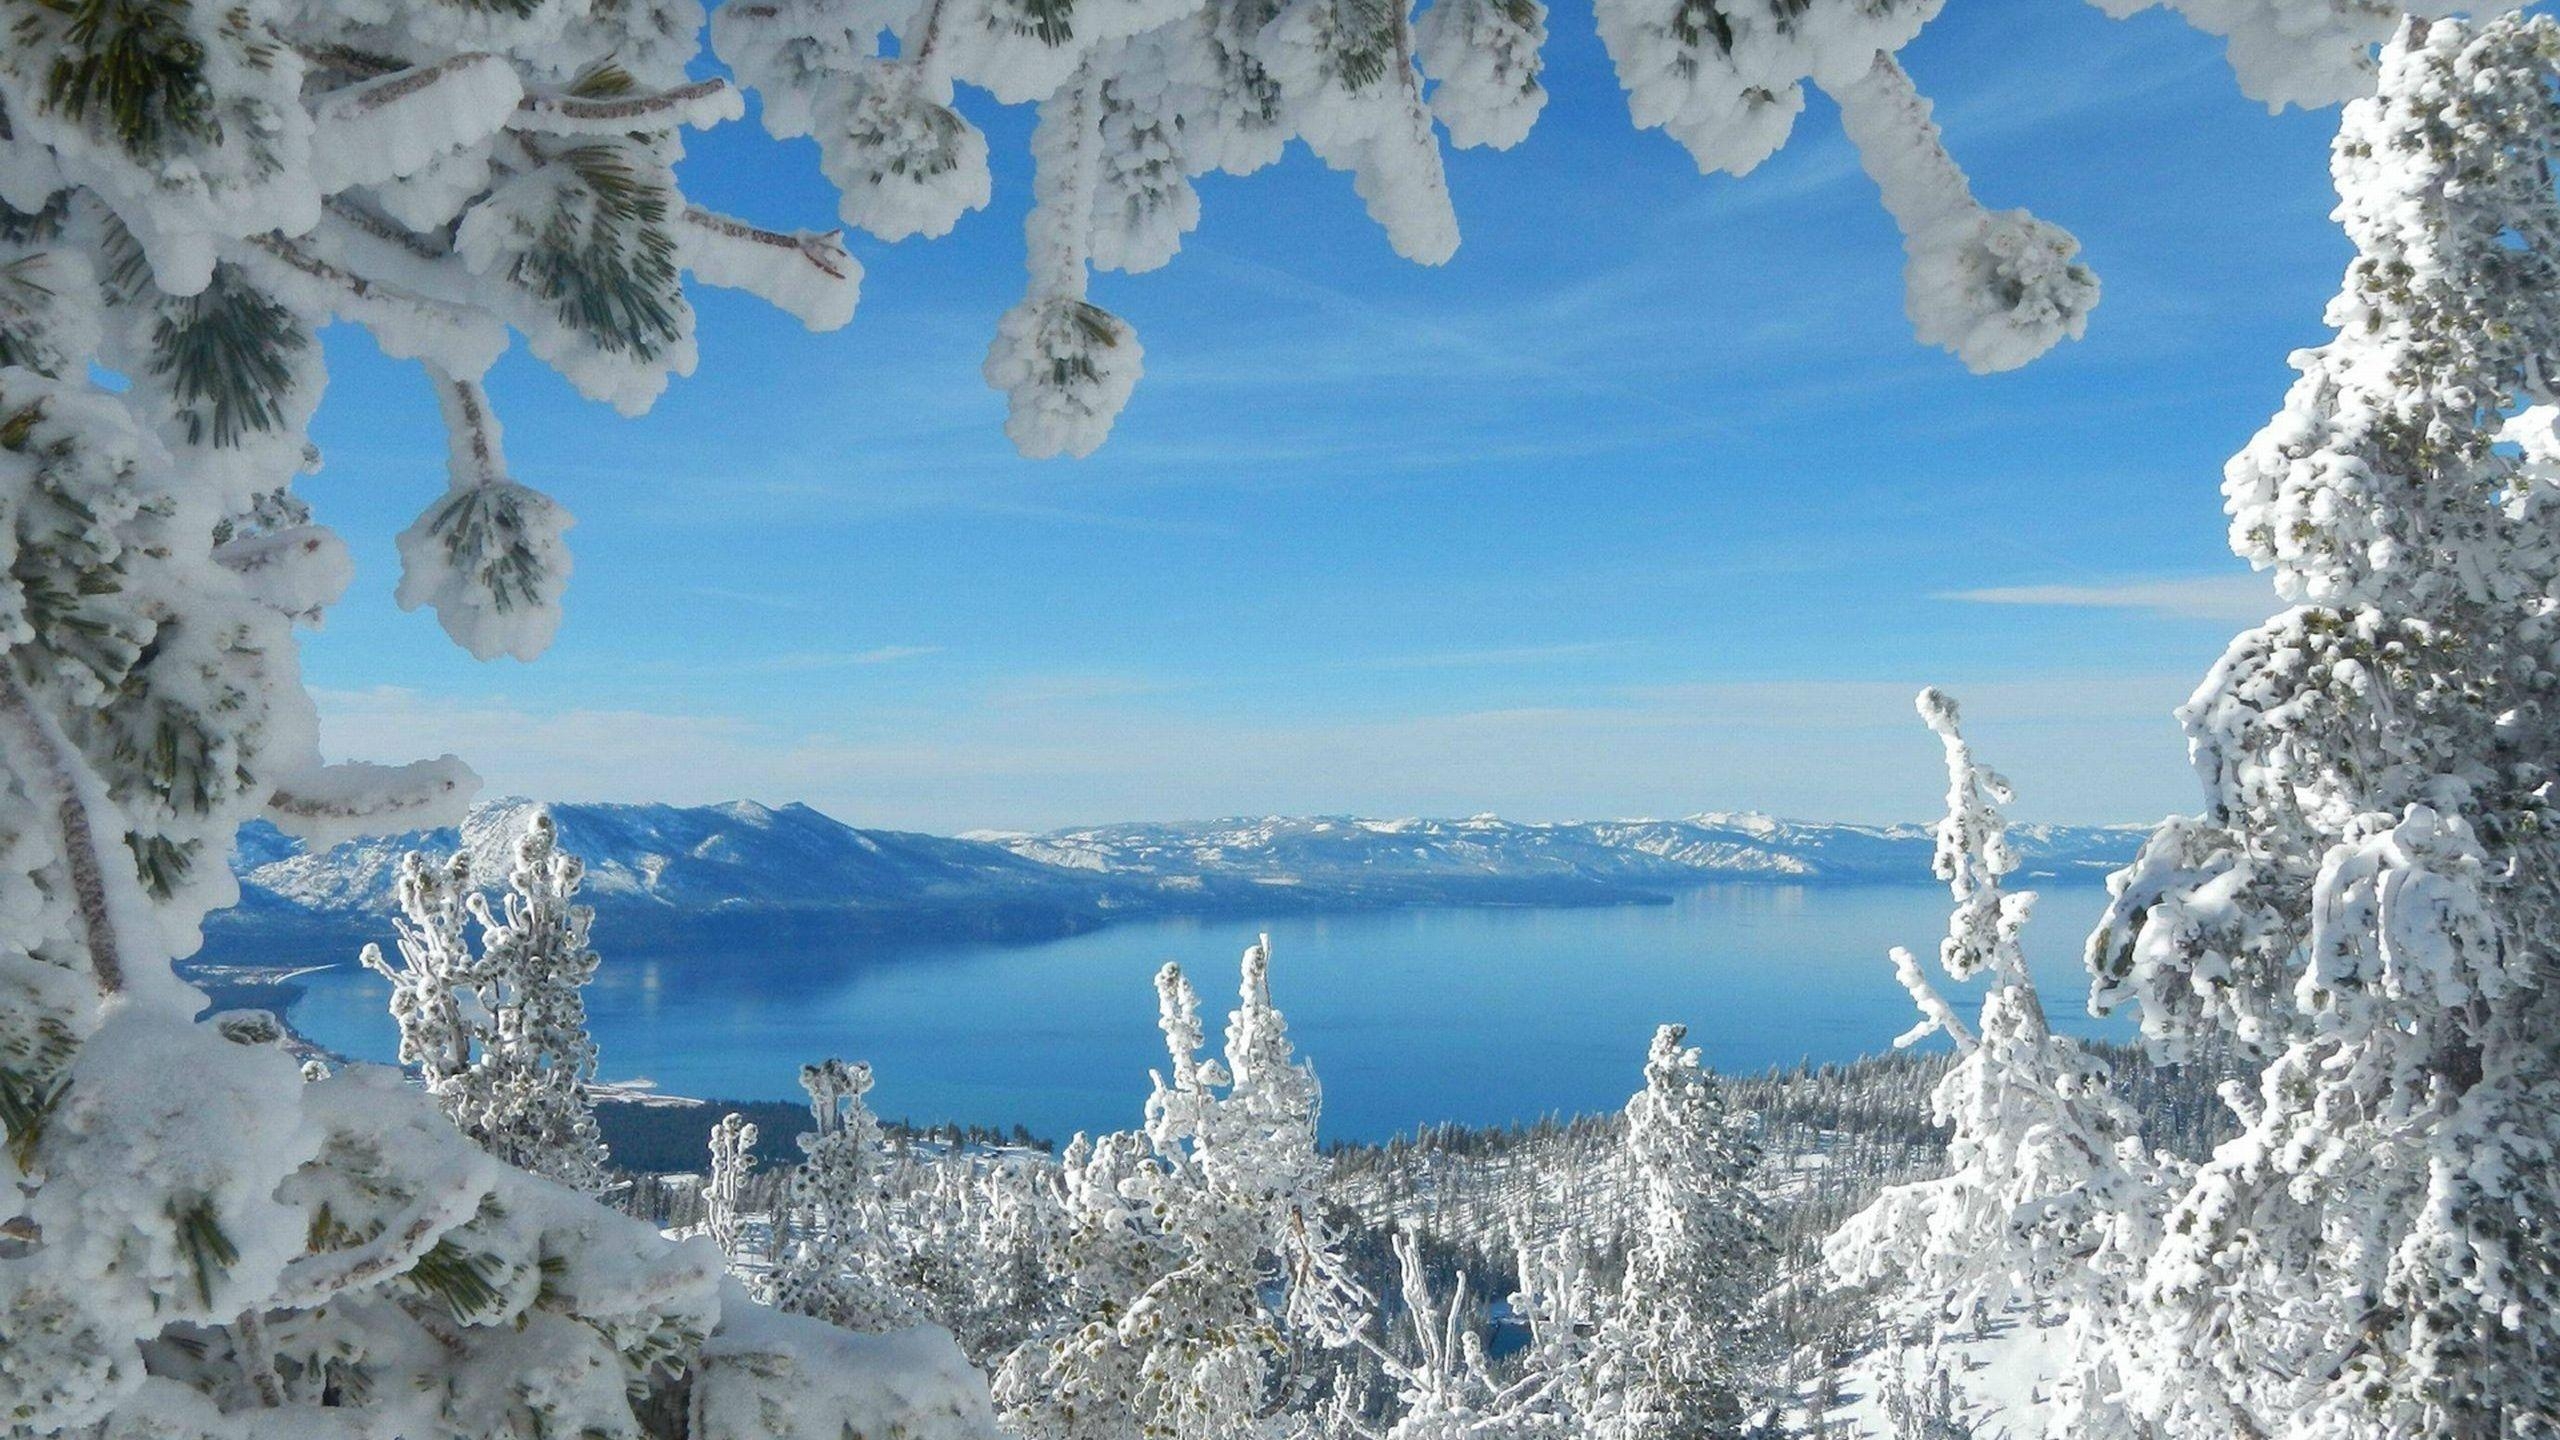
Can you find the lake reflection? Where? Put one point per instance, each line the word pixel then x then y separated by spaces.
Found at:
pixel 1411 1016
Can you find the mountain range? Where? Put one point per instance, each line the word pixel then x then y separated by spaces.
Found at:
pixel 675 876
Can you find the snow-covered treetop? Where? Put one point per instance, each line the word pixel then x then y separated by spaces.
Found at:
pixel 1248 1124
pixel 2040 1185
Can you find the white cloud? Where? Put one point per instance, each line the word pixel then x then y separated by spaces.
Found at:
pixel 2237 599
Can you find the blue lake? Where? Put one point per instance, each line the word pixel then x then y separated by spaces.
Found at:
pixel 1411 1016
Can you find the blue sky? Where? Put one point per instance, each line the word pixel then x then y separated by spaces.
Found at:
pixel 1646 503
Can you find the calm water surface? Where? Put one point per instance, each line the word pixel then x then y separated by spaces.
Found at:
pixel 1412 1017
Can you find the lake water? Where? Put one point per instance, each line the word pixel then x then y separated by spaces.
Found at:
pixel 1411 1016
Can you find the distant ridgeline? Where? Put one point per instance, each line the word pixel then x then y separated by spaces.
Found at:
pixel 669 876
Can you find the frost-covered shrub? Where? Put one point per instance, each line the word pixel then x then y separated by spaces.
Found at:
pixel 499 1033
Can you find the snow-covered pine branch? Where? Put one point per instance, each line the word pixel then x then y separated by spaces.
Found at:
pixel 1994 290
pixel 1727 81
pixel 1139 96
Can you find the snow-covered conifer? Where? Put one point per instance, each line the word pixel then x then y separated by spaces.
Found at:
pixel 1674 1340
pixel 1196 1254
pixel 2364 903
pixel 500 1037
pixel 724 1185
pixel 2048 1198
pixel 833 1256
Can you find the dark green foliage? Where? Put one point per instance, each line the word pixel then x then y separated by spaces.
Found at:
pixel 1239 22
pixel 482 527
pixel 605 260
pixel 458 1277
pixel 1095 327
pixel 604 82
pixel 674 1139
pixel 169 754
pixel 209 1251
pixel 1696 22
pixel 1052 21
pixel 1368 39
pixel 65 569
pixel 23 298
pixel 944 127
pixel 25 1106
pixel 227 355
pixel 133 66
pixel 168 699
pixel 40 226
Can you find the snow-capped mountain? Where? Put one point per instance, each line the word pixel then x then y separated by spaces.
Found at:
pixel 663 872
pixel 672 875
pixel 1332 850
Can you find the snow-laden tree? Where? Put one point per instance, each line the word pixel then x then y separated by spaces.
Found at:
pixel 724 1185
pixel 499 1035
pixel 1673 1347
pixel 835 1253
pixel 2048 1197
pixel 195 1240
pixel 1446 1385
pixel 2366 903
pixel 1196 1255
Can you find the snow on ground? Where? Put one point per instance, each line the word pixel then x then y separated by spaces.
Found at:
pixel 2002 1383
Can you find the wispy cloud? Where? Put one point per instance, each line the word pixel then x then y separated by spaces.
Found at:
pixel 2237 599
pixel 1069 749
pixel 1493 659
pixel 808 660
pixel 756 598
pixel 1072 688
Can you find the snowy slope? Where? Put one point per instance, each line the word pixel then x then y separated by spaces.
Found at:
pixel 703 857
pixel 680 871
pixel 665 874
